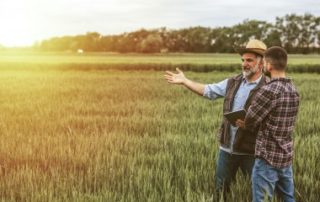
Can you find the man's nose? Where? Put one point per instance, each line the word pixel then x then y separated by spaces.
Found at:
pixel 244 63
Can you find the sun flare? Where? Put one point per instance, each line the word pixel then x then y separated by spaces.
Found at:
pixel 17 24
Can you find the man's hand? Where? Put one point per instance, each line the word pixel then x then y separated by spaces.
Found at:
pixel 173 78
pixel 240 123
pixel 180 78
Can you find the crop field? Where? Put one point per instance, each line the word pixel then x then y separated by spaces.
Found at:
pixel 133 58
pixel 70 134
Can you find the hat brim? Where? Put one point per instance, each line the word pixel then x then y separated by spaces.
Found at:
pixel 258 51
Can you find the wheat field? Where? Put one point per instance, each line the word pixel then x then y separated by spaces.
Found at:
pixel 69 135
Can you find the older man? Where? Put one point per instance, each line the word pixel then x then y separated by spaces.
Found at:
pixel 236 144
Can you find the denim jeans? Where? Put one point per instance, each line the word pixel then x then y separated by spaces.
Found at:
pixel 227 167
pixel 267 180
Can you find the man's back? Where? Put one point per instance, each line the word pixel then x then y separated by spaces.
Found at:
pixel 277 103
pixel 274 111
pixel 286 102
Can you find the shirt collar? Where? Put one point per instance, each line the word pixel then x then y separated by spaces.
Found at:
pixel 252 82
pixel 280 79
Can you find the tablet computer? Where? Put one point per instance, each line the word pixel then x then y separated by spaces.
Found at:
pixel 233 116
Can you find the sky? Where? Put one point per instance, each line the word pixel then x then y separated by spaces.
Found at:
pixel 24 22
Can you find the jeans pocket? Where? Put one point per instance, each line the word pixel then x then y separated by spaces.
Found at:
pixel 268 172
pixel 259 164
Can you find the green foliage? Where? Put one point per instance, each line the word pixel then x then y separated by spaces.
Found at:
pixel 157 62
pixel 297 33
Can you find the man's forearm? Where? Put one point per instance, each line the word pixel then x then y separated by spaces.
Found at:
pixel 194 86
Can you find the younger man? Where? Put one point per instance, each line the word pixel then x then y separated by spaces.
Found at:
pixel 273 111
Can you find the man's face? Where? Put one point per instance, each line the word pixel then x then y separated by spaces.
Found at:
pixel 250 65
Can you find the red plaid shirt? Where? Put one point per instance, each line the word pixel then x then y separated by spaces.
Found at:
pixel 274 112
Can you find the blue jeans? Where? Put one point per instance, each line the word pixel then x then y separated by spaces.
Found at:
pixel 267 180
pixel 227 167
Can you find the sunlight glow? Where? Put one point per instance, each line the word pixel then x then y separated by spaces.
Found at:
pixel 24 22
pixel 18 24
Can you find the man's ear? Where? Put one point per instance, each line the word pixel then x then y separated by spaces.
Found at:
pixel 269 67
pixel 261 64
pixel 261 61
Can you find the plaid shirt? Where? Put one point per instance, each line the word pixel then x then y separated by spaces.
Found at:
pixel 273 111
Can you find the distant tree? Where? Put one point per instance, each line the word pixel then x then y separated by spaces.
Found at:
pixel 151 44
pixel 130 42
pixel 178 41
pixel 223 43
pixel 296 33
pixel 92 41
pixel 108 43
pixel 299 33
pixel 309 26
pixel 248 29
pixel 273 37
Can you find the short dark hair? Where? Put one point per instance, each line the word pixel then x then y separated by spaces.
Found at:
pixel 277 57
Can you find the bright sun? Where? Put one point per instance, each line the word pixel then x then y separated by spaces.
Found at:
pixel 17 27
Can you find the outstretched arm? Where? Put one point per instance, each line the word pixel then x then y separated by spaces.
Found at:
pixel 180 78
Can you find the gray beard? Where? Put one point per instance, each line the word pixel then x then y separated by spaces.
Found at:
pixel 247 74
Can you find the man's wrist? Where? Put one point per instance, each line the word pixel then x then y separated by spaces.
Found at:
pixel 186 82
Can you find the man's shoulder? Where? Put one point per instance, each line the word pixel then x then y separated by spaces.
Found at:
pixel 269 88
pixel 275 85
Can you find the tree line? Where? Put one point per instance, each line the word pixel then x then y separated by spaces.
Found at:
pixel 296 33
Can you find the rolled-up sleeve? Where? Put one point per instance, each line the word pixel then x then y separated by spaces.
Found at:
pixel 215 90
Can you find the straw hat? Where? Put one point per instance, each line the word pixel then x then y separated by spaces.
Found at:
pixel 253 46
